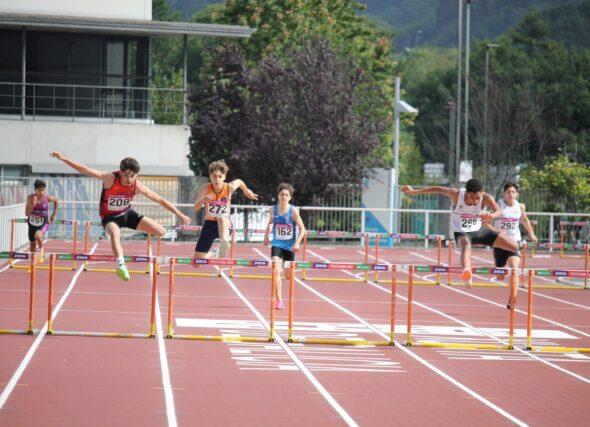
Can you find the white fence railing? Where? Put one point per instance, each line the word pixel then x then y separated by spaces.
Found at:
pixel 20 230
pixel 411 221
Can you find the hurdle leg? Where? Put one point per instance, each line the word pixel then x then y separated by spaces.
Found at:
pixel 392 317
pixel 529 315
pixel 32 294
pixel 291 300
pixel 272 302
pixel 50 295
pixel 154 290
pixel 512 301
pixel 171 297
pixel 304 271
pixel 410 291
pixel 10 258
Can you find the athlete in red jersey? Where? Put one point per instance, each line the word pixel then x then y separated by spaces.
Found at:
pixel 118 191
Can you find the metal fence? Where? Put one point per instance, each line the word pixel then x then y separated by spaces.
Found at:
pixel 35 100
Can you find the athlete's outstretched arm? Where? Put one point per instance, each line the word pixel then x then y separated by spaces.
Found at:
pixel 445 191
pixel 238 183
pixel 83 169
pixel 155 197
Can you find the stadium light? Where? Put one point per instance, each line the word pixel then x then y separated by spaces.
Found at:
pixel 399 108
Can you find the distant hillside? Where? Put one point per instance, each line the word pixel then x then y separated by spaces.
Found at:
pixel 434 22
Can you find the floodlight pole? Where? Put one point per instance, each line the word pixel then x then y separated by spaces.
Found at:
pixel 485 111
pixel 459 83
pixel 467 43
pixel 398 108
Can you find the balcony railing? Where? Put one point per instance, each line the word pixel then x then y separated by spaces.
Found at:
pixel 33 101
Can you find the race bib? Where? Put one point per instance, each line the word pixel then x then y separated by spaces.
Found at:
pixel 36 221
pixel 509 226
pixel 470 223
pixel 284 231
pixel 118 203
pixel 217 209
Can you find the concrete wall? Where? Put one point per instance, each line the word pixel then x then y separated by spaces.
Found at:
pixel 160 149
pixel 126 9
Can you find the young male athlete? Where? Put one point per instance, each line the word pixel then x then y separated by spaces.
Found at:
pixel 287 230
pixel 467 214
pixel 118 190
pixel 513 213
pixel 38 219
pixel 215 197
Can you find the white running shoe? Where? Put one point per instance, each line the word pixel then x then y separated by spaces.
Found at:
pixel 224 248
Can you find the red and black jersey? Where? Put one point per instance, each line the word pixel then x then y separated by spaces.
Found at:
pixel 117 199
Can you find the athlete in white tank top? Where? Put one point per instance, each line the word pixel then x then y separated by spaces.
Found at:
pixel 467 214
pixel 513 213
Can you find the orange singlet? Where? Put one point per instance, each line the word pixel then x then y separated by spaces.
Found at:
pixel 217 204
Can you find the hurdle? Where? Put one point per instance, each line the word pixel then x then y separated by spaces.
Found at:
pixel 548 349
pixel 88 257
pixel 15 221
pixel 341 266
pixel 218 262
pixel 483 270
pixel 32 283
pixel 410 343
pixel 550 246
pixel 408 236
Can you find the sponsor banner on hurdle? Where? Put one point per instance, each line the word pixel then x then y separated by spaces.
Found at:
pixel 562 273
pixel 231 262
pixel 14 255
pixel 340 266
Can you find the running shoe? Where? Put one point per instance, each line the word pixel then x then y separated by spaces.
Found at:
pixel 215 253
pixel 466 276
pixel 122 272
pixel 42 256
pixel 224 248
pixel 279 305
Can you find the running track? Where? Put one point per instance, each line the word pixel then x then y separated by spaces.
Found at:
pixel 98 381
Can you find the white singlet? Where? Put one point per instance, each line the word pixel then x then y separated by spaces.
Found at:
pixel 466 218
pixel 510 220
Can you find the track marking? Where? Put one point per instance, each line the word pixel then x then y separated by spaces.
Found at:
pixel 529 354
pixel 321 389
pixel 27 359
pixel 517 310
pixel 410 353
pixel 166 380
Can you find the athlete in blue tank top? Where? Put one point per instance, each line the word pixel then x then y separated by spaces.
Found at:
pixel 287 232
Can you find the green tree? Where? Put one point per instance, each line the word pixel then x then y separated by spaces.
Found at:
pixel 567 182
pixel 309 120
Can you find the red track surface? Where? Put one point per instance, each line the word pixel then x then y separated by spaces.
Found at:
pixel 73 381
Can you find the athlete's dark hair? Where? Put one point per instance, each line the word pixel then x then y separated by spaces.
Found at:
pixel 285 186
pixel 473 186
pixel 129 164
pixel 510 184
pixel 39 183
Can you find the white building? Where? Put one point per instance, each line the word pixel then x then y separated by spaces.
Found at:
pixel 75 77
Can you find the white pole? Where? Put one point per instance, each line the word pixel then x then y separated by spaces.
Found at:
pixel 395 200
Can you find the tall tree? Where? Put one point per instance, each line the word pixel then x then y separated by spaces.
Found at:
pixel 310 120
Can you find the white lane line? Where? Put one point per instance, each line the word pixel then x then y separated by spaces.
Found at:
pixel 528 353
pixel 413 355
pixel 535 316
pixel 166 380
pixel 322 390
pixel 31 352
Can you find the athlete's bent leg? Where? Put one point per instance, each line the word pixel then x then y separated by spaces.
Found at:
pixel 465 246
pixel 148 225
